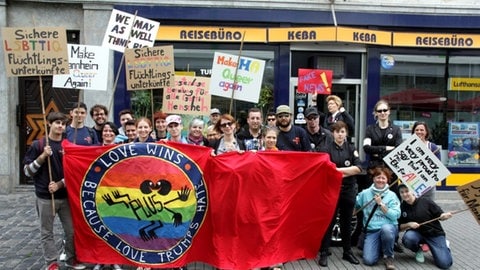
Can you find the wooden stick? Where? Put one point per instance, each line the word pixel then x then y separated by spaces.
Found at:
pixel 236 72
pixel 49 164
pixel 437 218
pixel 373 199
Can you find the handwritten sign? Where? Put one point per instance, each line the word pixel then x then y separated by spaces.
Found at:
pixel 189 95
pixel 149 68
pixel 88 68
pixel 315 81
pixel 247 83
pixel 126 30
pixel 416 165
pixel 35 51
pixel 470 194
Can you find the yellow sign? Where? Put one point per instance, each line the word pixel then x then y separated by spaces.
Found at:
pixel 464 84
pixel 301 34
pixel 364 36
pixel 432 40
pixel 211 34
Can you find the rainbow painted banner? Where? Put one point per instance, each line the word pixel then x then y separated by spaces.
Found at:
pixel 166 205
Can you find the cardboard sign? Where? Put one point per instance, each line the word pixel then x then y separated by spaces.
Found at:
pixel 470 194
pixel 189 95
pixel 248 80
pixel 88 68
pixel 315 81
pixel 149 68
pixel 416 165
pixel 35 51
pixel 126 30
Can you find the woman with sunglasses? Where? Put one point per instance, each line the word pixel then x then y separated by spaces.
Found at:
pixel 382 137
pixel 226 126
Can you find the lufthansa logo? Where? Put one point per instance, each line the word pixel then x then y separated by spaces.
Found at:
pixel 146 201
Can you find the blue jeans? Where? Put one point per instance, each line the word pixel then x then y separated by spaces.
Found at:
pixel 379 242
pixel 438 246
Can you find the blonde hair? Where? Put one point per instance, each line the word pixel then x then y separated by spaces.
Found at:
pixel 380 102
pixel 335 99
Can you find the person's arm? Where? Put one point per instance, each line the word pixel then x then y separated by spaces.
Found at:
pixel 31 168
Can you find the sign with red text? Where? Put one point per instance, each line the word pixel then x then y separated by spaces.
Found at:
pixel 247 82
pixel 149 67
pixel 126 30
pixel 470 194
pixel 35 51
pixel 416 165
pixel 315 81
pixel 88 68
pixel 189 95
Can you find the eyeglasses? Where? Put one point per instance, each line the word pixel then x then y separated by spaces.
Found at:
pixel 384 111
pixel 312 118
pixel 283 115
pixel 226 124
pixel 270 119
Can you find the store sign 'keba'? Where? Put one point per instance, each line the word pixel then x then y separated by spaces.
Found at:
pixel 246 81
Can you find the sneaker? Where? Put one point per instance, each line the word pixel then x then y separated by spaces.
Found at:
pixel 75 265
pixel 389 263
pixel 116 267
pixel 97 267
pixel 448 243
pixel 53 266
pixel 419 257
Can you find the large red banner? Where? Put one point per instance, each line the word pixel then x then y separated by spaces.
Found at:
pixel 166 205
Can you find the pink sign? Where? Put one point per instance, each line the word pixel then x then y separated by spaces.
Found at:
pixel 315 81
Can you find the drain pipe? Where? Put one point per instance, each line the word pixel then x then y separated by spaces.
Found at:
pixel 332 8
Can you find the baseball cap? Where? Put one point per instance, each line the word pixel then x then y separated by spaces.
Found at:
pixel 214 111
pixel 173 119
pixel 283 109
pixel 311 111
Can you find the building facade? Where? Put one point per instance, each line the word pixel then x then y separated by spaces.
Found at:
pixel 421 56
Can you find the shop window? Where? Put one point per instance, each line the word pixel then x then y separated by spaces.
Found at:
pixel 418 88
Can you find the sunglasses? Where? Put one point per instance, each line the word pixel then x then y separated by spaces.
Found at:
pixel 384 111
pixel 312 118
pixel 270 119
pixel 226 124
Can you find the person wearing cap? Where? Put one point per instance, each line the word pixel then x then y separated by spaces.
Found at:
pixel 144 128
pixel 174 128
pixel 214 116
pixel 347 161
pixel 252 136
pixel 320 138
pixel 415 211
pixel 290 138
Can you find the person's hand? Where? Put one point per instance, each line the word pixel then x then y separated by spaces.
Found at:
pixel 52 187
pixel 413 225
pixel 445 216
pixel 47 151
pixel 378 200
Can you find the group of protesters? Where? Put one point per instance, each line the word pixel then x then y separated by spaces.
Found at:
pixel 383 209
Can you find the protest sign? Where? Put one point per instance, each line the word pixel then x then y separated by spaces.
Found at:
pixel 470 194
pixel 248 80
pixel 189 95
pixel 88 68
pixel 416 165
pixel 149 68
pixel 315 81
pixel 126 30
pixel 35 51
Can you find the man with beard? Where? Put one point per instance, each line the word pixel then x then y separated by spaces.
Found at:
pixel 290 138
pixel 252 137
pixel 320 138
pixel 99 114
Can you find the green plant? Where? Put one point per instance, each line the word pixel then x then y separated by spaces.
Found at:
pixel 141 103
pixel 266 98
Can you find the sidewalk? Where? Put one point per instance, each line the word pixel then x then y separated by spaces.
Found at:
pixel 20 241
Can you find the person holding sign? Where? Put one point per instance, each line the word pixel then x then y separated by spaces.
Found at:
pixel 47 183
pixel 419 219
pixel 421 130
pixel 381 210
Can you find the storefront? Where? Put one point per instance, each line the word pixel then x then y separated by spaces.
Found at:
pixel 426 69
